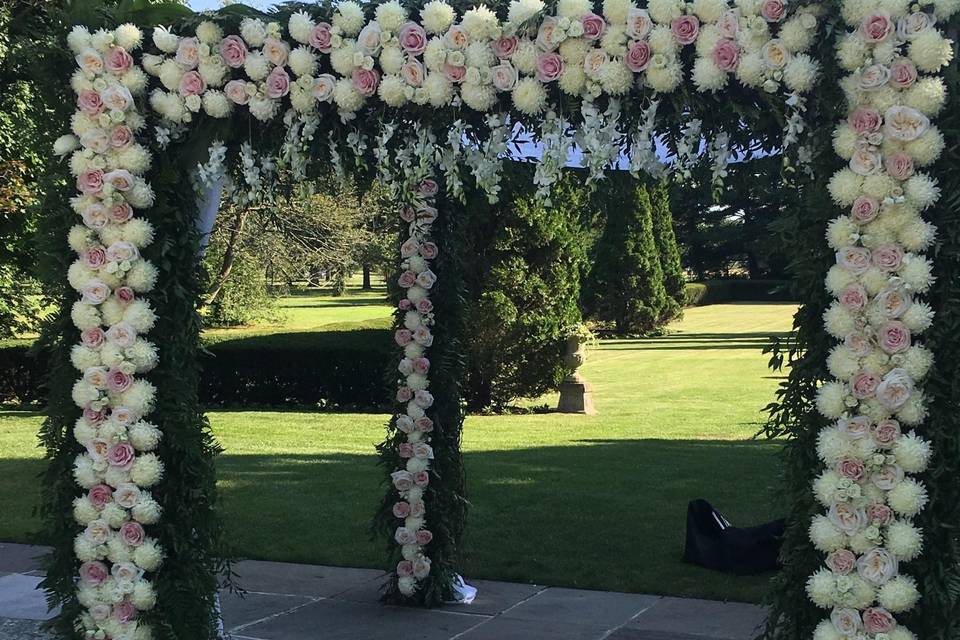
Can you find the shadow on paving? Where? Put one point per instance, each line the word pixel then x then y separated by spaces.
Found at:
pixel 605 514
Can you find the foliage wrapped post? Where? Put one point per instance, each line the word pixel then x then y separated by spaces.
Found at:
pixel 668 252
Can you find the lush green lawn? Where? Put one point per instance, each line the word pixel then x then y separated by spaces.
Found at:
pixel 593 502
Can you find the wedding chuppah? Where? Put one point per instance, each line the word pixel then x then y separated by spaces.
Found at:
pixel 427 98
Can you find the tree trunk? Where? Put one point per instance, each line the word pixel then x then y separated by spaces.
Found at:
pixel 229 256
pixel 366 278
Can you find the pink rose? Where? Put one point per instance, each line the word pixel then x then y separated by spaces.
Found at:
pixel 92 338
pixel 233 50
pixel 428 188
pixel 405 450
pixel 94 416
pixel 119 179
pixel 412 73
pixel 422 336
pixel 685 29
pixel 95 258
pixel 887 477
pixel 424 306
pixel 593 26
pixel 899 165
pixel 402 480
pixel 429 250
pixel 120 212
pixel 856 427
pixel 876 27
pixel 413 39
pixel 120 455
pixel 424 424
pixel 90 102
pixel 124 612
pixel 864 385
pixel 405 305
pixel 95 292
pixel 100 612
pixel 841 561
pixel 320 37
pixel 894 337
pixel 404 568
pixel 851 468
pixel 903 73
pixel 118 61
pixel 121 137
pixel 454 73
pixel 404 394
pixel 403 337
pixel 886 433
pixel 188 53
pixel 504 48
pixel 854 297
pixel 132 533
pixel 191 84
pixel 879 514
pixel 427 214
pixel 424 536
pixel 125 295
pixel 93 573
pixel 878 620
pixel 426 279
pixel 278 83
pixel 90 182
pixel 729 25
pixel 401 509
pixel 421 365
pixel 726 54
pixel 407 279
pixel 773 10
pixel 865 120
pixel 421 478
pixel 638 56
pixel 124 416
pixel 122 334
pixel 865 209
pixel 889 257
pixel 549 67
pixel 100 496
pixel 423 398
pixel 855 259
pixel 365 81
pixel 408 213
pixel 236 91
pixel 404 536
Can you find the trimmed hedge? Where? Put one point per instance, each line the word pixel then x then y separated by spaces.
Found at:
pixel 328 369
pixel 719 291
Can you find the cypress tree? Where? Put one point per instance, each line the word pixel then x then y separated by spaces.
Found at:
pixel 627 286
pixel 668 251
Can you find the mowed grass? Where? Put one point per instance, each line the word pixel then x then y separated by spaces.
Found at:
pixel 583 501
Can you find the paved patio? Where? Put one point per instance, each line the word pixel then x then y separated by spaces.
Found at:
pixel 309 602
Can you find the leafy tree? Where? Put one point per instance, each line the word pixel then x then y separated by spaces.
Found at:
pixel 668 252
pixel 626 283
pixel 523 265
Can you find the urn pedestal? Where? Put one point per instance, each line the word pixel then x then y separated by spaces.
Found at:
pixel 576 394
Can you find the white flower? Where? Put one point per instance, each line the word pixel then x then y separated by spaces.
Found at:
pixel 521 11
pixel 573 8
pixel 830 399
pixel 826 631
pixel 143 597
pixel 164 40
pixel 800 74
pixel 437 16
pixel 750 70
pixel 263 108
pixel 128 36
pixel 253 31
pixel 822 589
pixel 209 33
pixel 78 39
pixel 392 90
pixel 349 17
pixel 347 98
pixel 904 540
pixel 148 556
pixel 529 96
pixel 707 76
pixel 898 595
pixel 930 51
pixel 439 90
pixel 664 11
pixel 616 11
pixel 907 498
pixel 300 27
pixel 216 104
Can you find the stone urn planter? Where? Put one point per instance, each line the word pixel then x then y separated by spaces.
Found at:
pixel 576 394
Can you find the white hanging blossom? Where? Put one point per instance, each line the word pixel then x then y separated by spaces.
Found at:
pixel 643 149
pixel 557 143
pixel 720 157
pixel 688 148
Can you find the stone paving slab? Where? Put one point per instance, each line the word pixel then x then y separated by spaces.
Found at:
pixel 501 628
pixel 20 599
pixel 577 606
pixel 20 558
pixel 300 579
pixel 702 618
pixel 254 607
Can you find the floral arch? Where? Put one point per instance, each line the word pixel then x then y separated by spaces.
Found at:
pixel 426 97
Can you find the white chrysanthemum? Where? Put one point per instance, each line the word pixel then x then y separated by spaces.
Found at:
pixel 253 31
pixel 852 52
pixel 927 148
pixel 216 104
pixel 128 36
pixel 83 358
pixel 795 34
pixel 118 551
pixel 918 317
pixel 573 8
pixel 135 80
pixel 839 321
pixel 439 89
pixel 912 453
pixel 709 10
pixel 662 41
pixel 84 512
pixel 826 631
pixel 616 11
pixel 707 76
pixel 300 26
pixel 342 60
pixel 391 16
pixel 437 16
pixel 85 552
pixel 839 279
pixel 170 74
pixel 574 50
pixel 142 276
pixel 435 55
pixel 84 316
pixel 147 556
pixel 921 191
pixel 139 397
pixel 392 90
pixel 78 275
pixel 114 514
pixel 529 96
pixel 263 108
pixel 917 361
pixel 842 363
pixel 800 74
pixel 898 595
pixel 917 235
pixel 78 39
pixel 914 411
pixel 302 62
pixel 83 431
pixel 904 540
pixel 572 80
pixel 391 60
pixel 146 470
pixel 822 588
pixel 479 97
pixel 164 40
pixel 520 11
pixel 840 232
pixel 143 355
pixel 80 82
pixel 349 17
pixel 147 511
pixel 917 273
pixel 479 55
pixel 615 78
pixel 664 11
pixel 930 51
pixel 830 399
pixel 135 159
pixel 481 23
pixel 883 98
pixel 209 33
pixel 525 57
pixel 144 436
pixel 709 36
pixel 907 498
pixel 302 99
pixel 256 66
pixel 826 488
pixel 927 95
pixel 143 596
pixel 833 444
pixel 664 78
pixel 874 280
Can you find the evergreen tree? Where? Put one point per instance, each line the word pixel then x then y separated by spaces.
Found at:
pixel 626 284
pixel 668 252
pixel 523 262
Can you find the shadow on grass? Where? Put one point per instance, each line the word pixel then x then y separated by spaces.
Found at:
pixel 605 514
pixel 698 341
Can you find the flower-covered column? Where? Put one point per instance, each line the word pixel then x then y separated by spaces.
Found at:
pixel 875 446
pixel 114 508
